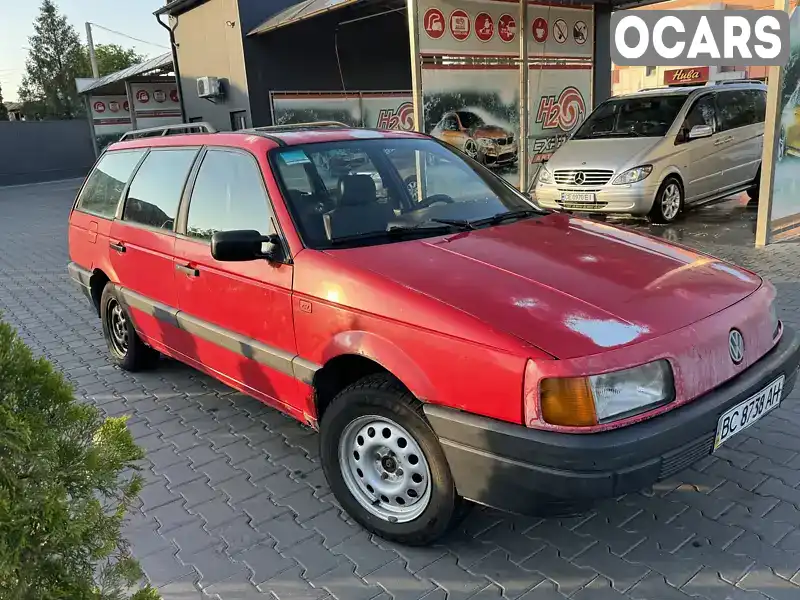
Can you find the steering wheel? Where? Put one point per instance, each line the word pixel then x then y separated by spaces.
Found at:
pixel 435 199
pixel 301 200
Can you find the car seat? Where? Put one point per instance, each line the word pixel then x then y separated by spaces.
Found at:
pixel 358 211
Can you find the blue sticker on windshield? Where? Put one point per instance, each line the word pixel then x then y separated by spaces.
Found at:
pixel 295 157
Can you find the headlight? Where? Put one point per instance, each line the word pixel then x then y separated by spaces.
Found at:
pixel 633 175
pixel 544 175
pixel 587 401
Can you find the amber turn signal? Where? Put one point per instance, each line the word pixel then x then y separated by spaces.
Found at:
pixel 568 402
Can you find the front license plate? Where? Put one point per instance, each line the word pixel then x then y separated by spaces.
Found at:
pixel 577 197
pixel 748 412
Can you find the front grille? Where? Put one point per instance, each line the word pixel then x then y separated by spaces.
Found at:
pixel 504 140
pixel 582 205
pixel 678 460
pixel 593 177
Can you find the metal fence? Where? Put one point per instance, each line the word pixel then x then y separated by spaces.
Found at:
pixel 35 151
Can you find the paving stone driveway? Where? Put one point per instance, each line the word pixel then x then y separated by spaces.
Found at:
pixel 236 505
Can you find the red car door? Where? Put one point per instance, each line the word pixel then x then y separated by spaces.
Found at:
pixel 240 313
pixel 142 244
pixel 97 204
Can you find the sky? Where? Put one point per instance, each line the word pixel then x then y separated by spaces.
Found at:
pixel 134 18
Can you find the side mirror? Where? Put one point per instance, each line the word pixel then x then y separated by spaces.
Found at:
pixel 243 245
pixel 701 131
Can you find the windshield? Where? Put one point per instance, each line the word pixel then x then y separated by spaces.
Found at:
pixel 646 116
pixel 362 192
pixel 470 120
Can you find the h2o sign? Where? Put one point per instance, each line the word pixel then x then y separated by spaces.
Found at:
pixel 700 37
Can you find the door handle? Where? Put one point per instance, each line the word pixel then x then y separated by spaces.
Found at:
pixel 119 247
pixel 188 270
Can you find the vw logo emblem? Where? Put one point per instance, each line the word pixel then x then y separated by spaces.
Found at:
pixel 736 346
pixel 580 177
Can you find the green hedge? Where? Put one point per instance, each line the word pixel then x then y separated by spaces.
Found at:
pixel 67 479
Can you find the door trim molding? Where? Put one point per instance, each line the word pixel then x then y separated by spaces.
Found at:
pixel 269 356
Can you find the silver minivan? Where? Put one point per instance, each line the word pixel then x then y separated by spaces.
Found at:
pixel 653 152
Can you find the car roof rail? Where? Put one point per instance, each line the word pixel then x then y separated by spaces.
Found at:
pixel 163 130
pixel 736 81
pixel 309 125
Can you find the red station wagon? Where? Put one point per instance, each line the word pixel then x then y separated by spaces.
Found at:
pixel 450 340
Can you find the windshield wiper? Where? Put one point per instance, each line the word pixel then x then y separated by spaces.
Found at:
pixel 460 223
pixel 393 233
pixel 507 216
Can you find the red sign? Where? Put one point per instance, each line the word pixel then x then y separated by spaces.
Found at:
pixel 173 95
pixel 563 112
pixel 142 96
pixel 460 26
pixel 540 30
pixel 506 28
pixel 484 27
pixel 433 21
pixel 99 107
pixel 125 106
pixel 113 106
pixel 684 76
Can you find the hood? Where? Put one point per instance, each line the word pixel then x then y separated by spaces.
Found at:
pixel 614 154
pixel 567 286
pixel 488 131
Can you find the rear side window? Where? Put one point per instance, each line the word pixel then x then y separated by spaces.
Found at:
pixel 228 194
pixel 737 108
pixel 155 192
pixel 760 99
pixel 103 190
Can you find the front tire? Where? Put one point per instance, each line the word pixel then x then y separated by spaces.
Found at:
pixel 385 465
pixel 126 348
pixel 668 202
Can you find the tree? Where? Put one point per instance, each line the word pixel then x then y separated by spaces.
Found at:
pixel 3 109
pixel 54 61
pixel 110 59
pixel 67 479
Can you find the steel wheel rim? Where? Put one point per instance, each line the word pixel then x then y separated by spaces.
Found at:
pixel 671 201
pixel 118 327
pixel 384 469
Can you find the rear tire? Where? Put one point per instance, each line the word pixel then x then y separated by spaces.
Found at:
pixel 126 348
pixel 385 465
pixel 668 203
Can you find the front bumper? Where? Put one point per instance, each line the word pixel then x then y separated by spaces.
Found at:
pixel 636 199
pixel 510 466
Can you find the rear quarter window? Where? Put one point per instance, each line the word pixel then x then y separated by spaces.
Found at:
pixel 103 189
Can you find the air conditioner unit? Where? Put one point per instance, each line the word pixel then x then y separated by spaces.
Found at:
pixel 208 87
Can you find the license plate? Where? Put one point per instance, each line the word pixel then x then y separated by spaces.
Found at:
pixel 577 197
pixel 748 412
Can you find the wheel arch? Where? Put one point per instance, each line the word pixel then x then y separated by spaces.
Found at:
pixel 97 282
pixel 353 355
